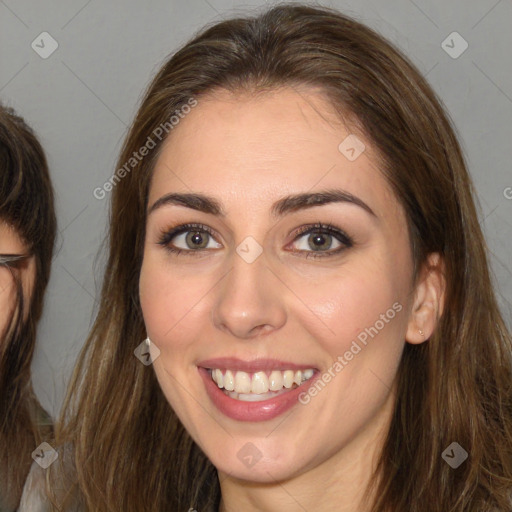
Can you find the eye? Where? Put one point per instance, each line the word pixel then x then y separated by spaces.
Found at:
pixel 320 238
pixel 192 237
pixel 13 260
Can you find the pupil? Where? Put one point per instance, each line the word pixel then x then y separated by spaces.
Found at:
pixel 319 241
pixel 196 238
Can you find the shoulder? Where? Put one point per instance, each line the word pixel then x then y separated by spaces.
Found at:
pixel 34 497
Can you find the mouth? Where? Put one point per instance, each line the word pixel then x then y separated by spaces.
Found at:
pixel 254 391
pixel 259 386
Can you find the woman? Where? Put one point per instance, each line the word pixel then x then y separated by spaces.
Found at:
pixel 294 237
pixel 27 234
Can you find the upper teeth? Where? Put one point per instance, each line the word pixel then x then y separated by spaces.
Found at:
pixel 259 382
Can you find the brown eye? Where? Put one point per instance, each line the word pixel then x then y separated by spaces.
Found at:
pixel 197 239
pixel 320 238
pixel 194 237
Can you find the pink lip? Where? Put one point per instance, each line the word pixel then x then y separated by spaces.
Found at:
pixel 251 411
pixel 257 365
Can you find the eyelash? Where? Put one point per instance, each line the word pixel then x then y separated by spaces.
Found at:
pixel 166 237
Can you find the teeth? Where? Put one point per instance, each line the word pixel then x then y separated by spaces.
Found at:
pixel 218 378
pixel 242 382
pixel 307 374
pixel 259 383
pixel 253 397
pixel 276 381
pixel 288 379
pixel 229 381
pixel 244 386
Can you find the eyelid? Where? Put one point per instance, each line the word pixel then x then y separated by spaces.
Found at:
pixel 325 228
pixel 339 234
pixel 166 235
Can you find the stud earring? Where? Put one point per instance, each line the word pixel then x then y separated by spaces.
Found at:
pixel 421 332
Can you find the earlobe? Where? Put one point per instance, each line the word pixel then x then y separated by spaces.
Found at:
pixel 428 300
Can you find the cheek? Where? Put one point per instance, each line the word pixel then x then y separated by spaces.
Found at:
pixel 349 304
pixel 170 301
pixel 171 305
pixel 7 299
pixel 364 308
pixel 156 298
pixel 365 314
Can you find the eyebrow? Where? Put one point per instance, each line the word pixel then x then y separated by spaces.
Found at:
pixel 283 206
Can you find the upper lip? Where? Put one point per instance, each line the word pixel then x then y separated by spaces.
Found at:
pixel 255 365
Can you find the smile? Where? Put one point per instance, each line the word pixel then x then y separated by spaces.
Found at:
pixel 257 390
pixel 259 386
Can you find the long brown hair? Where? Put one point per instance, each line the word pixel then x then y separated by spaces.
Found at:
pixel 27 205
pixel 131 452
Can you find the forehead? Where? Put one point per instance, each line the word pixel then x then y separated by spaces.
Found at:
pixel 256 148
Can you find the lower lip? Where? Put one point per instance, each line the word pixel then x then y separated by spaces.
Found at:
pixel 251 411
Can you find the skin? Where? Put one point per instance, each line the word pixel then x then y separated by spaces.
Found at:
pixel 248 152
pixel 11 243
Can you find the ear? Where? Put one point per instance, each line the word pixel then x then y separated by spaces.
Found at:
pixel 428 304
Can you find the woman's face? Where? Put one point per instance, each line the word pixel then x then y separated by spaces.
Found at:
pixel 251 306
pixel 11 243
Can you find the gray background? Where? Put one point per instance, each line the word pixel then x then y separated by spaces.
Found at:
pixel 81 99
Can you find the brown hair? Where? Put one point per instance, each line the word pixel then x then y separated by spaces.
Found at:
pixel 27 205
pixel 131 452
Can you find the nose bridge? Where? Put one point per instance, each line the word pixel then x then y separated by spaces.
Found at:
pixel 248 298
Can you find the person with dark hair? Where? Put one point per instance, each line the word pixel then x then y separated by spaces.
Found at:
pixel 27 234
pixel 297 311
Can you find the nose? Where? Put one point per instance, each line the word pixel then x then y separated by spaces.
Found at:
pixel 249 299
